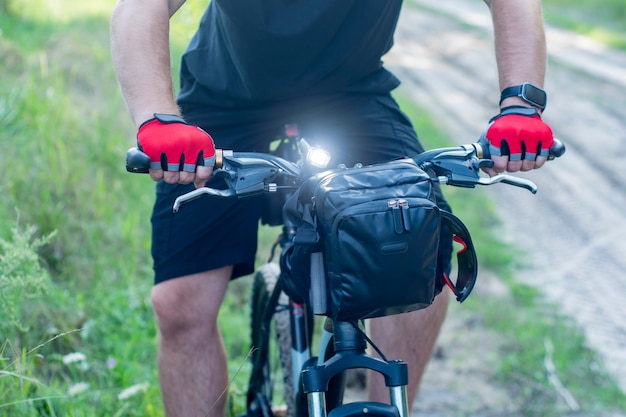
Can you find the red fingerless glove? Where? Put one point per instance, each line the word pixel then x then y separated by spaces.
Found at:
pixel 519 133
pixel 174 145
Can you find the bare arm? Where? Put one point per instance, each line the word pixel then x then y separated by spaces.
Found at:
pixel 520 43
pixel 141 55
pixel 521 57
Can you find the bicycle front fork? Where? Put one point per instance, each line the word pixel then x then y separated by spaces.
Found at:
pixel 350 353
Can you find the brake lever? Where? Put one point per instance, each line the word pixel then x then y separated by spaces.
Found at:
pixel 199 192
pixel 461 166
pixel 458 166
pixel 511 180
pixel 245 174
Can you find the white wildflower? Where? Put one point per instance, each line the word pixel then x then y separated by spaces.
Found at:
pixel 132 391
pixel 111 363
pixel 77 388
pixel 74 358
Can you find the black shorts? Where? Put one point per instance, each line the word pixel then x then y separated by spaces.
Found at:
pixel 210 233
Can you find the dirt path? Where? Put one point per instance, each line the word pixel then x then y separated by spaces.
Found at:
pixel 571 231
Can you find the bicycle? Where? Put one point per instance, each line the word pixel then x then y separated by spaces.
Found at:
pixel 314 385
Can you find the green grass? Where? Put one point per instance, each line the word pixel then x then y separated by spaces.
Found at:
pixel 65 130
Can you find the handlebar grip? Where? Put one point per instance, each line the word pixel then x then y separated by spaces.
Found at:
pixel 137 162
pixel 556 150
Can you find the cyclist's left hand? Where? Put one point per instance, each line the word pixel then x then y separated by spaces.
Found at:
pixel 518 140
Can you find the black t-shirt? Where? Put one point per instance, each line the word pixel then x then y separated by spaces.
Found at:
pixel 266 50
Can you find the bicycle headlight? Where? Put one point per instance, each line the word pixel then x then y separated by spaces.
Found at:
pixel 317 157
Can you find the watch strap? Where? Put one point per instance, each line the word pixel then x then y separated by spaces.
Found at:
pixel 528 92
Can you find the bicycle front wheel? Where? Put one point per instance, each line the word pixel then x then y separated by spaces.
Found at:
pixel 271 390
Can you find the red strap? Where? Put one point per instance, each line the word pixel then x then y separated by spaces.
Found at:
pixel 459 239
pixel 449 283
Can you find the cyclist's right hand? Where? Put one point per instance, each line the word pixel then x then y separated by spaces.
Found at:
pixel 179 152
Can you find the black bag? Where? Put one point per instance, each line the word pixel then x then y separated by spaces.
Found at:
pixel 368 242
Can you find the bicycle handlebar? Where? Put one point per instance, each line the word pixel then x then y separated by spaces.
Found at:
pixel 251 173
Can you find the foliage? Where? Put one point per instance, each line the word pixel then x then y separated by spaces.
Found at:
pixel 67 130
pixel 65 127
pixel 22 278
pixel 5 7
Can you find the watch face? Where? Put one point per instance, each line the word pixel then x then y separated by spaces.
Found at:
pixel 534 95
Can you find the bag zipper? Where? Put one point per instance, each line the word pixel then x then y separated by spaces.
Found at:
pixel 400 211
pixel 395 165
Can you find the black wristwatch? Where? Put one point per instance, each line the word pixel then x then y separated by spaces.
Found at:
pixel 528 92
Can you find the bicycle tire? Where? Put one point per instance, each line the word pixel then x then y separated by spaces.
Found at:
pixel 265 344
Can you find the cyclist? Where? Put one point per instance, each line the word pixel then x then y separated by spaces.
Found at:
pixel 251 67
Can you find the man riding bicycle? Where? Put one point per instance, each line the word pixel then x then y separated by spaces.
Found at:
pixel 252 67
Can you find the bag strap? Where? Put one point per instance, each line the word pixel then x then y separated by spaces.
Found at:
pixel 466 258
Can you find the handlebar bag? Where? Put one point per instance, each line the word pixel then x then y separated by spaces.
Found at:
pixel 367 243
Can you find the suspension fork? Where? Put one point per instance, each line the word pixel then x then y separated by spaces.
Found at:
pixel 301 333
pixel 350 353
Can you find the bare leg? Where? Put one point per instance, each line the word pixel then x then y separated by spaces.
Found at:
pixel 192 361
pixel 410 337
